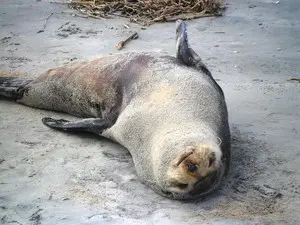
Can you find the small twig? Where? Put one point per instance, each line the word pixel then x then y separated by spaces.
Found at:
pixel 96 17
pixel 80 2
pixel 60 2
pixel 72 2
pixel 121 44
pixel 78 15
pixel 116 14
pixel 295 79
pixel 126 26
pixel 45 23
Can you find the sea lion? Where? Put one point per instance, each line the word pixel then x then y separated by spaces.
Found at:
pixel 167 111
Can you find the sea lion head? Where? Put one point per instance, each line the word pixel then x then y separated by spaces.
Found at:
pixel 195 171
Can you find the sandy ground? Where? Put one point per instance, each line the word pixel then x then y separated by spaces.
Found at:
pixel 50 177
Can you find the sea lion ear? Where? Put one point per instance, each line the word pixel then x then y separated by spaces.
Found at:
pixel 212 159
pixel 184 53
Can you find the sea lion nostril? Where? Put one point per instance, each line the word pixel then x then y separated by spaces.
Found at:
pixel 182 186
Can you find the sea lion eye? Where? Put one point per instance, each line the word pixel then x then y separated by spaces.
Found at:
pixel 192 168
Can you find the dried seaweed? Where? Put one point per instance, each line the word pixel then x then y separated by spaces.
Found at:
pixel 148 12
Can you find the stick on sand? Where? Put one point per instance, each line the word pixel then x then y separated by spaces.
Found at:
pixel 121 44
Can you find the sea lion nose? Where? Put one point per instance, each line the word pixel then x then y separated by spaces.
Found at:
pixel 204 183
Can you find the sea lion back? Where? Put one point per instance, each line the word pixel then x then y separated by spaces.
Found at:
pixel 85 89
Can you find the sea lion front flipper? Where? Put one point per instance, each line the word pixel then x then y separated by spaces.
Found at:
pixel 94 125
pixel 184 53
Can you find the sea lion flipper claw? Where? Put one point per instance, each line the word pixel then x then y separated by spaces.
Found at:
pixel 94 125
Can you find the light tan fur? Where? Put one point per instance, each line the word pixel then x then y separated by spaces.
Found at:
pixel 160 110
pixel 174 107
pixel 161 94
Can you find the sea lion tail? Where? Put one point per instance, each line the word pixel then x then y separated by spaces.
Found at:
pixel 13 87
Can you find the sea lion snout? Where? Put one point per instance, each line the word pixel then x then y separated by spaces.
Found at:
pixel 195 172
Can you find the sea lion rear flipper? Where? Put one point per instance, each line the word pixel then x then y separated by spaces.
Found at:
pixel 184 53
pixel 94 125
pixel 13 87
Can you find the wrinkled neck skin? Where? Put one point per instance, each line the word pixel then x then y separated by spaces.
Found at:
pixel 168 145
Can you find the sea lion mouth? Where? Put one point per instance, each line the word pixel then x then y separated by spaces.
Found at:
pixel 167 194
pixel 206 185
pixel 203 187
